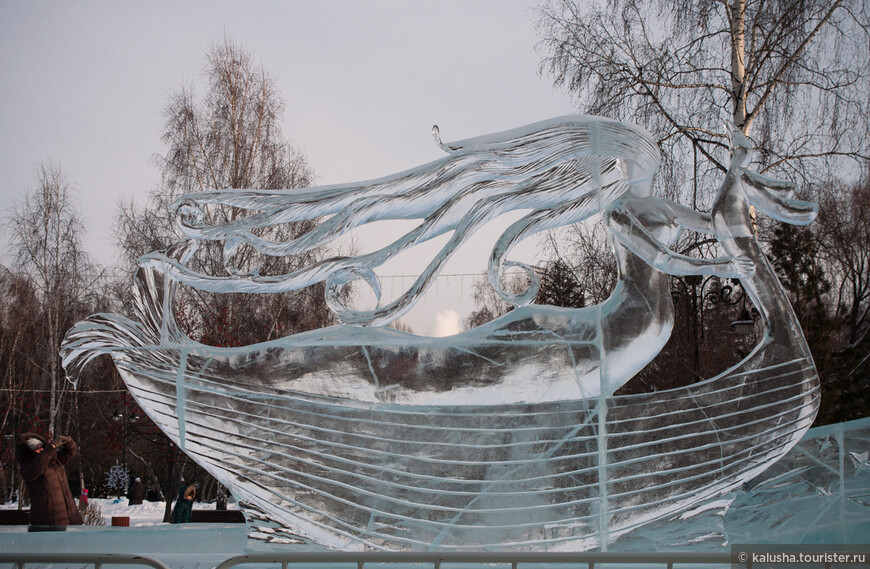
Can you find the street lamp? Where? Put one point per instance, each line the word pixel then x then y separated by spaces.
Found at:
pixel 745 322
pixel 119 415
pixel 713 290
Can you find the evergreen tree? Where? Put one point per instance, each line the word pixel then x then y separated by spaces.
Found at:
pixel 560 287
pixel 794 253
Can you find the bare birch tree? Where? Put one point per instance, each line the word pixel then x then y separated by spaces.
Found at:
pixel 47 235
pixel 19 308
pixel 228 136
pixel 792 75
pixel 584 248
pixel 489 305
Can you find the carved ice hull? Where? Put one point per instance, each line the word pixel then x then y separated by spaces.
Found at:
pixel 557 475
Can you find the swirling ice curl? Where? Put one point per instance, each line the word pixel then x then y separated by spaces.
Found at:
pixel 564 170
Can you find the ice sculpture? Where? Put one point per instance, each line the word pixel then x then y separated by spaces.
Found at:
pixel 825 482
pixel 503 437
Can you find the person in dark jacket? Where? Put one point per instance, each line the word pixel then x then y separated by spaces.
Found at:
pixel 153 495
pixel 137 492
pixel 42 468
pixel 184 505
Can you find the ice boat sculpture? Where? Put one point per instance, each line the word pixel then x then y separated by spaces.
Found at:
pixel 502 437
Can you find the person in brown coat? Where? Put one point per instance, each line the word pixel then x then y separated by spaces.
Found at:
pixel 42 469
pixel 137 492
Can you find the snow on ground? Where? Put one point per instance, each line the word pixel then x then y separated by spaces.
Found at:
pixel 179 546
pixel 144 514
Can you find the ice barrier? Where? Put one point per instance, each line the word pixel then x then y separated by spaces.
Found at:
pixel 503 437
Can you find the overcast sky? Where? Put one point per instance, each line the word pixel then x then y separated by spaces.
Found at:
pixel 83 84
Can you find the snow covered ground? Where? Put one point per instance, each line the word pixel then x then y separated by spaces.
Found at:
pixel 144 514
pixel 181 546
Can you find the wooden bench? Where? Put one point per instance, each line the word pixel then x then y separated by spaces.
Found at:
pixel 14 517
pixel 217 516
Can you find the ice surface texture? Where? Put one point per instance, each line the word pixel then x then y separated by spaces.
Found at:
pixel 820 493
pixel 506 436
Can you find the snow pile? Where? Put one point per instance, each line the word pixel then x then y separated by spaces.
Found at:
pixel 144 514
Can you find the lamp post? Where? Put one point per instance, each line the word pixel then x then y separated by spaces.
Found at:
pixel 12 438
pixel 711 290
pixel 120 415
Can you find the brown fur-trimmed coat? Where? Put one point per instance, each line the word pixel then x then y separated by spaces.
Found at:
pixel 51 502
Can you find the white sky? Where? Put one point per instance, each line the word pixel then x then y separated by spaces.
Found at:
pixel 83 84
